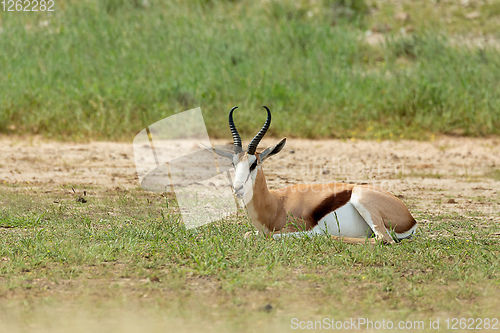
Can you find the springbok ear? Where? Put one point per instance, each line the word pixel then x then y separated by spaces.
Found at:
pixel 272 150
pixel 220 152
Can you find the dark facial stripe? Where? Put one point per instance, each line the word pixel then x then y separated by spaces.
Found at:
pixel 253 166
pixel 331 203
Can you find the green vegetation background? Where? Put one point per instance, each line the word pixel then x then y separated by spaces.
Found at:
pixel 105 69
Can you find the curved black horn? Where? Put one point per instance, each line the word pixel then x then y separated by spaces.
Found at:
pixel 236 136
pixel 255 141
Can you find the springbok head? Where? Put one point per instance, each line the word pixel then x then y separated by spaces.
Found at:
pixel 247 163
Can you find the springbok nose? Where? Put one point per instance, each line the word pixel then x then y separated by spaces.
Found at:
pixel 239 190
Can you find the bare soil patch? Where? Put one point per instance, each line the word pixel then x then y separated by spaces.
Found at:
pixel 451 180
pixel 446 176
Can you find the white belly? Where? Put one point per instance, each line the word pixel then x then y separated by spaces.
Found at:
pixel 343 222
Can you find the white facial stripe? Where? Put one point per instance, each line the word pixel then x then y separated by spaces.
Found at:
pixel 242 175
pixel 242 172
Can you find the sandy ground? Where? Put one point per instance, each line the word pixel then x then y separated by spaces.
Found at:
pixel 445 176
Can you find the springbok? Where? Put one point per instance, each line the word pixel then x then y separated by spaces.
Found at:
pixel 347 211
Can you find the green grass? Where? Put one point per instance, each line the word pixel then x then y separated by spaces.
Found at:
pixel 130 251
pixel 105 69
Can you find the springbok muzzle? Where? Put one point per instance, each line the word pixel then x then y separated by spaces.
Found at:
pixel 239 191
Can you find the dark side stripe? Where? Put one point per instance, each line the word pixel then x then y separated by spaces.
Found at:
pixel 329 204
